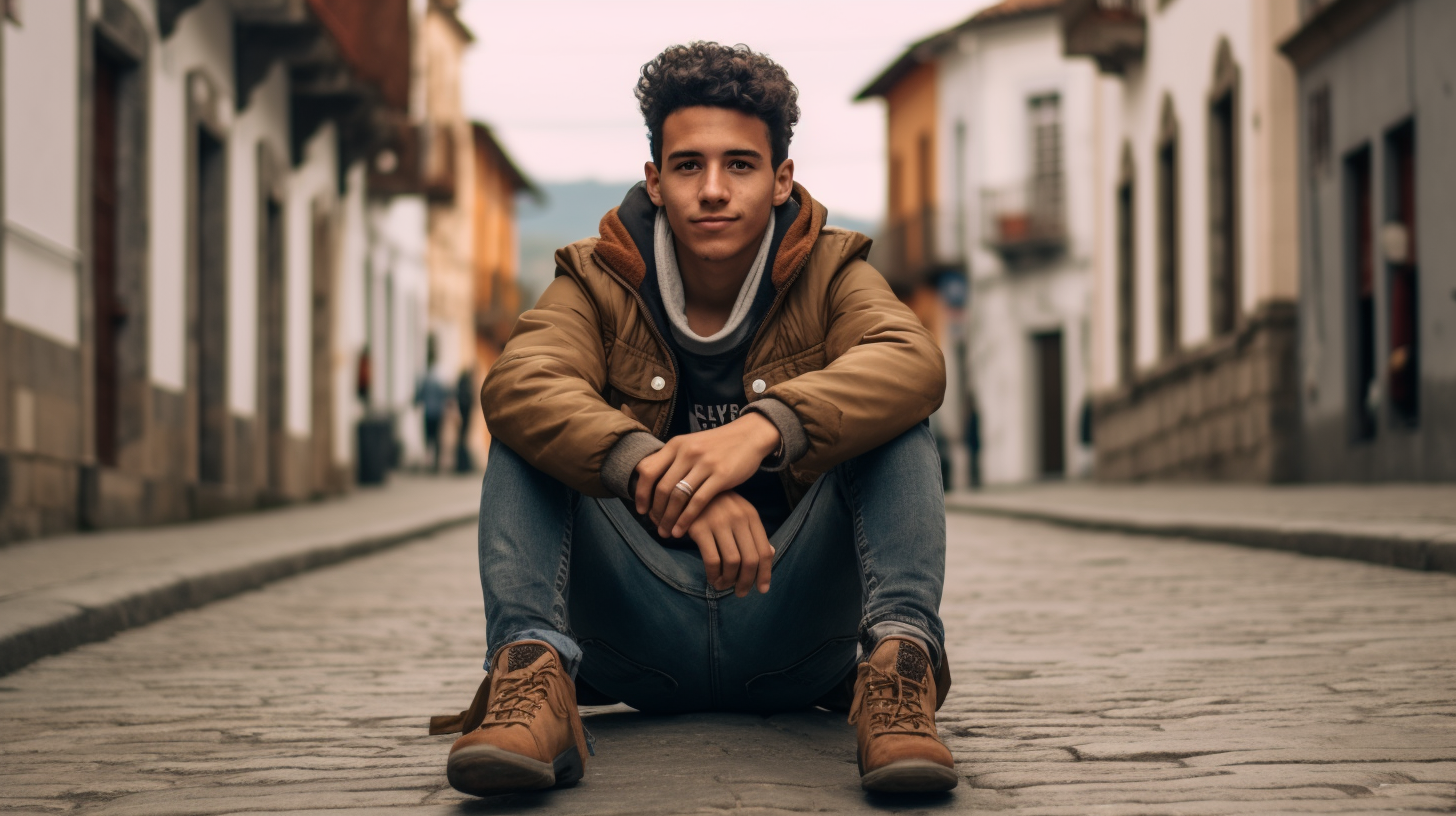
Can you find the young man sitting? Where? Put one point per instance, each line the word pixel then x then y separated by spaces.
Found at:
pixel 718 395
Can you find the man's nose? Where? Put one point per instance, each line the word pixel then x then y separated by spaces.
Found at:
pixel 714 190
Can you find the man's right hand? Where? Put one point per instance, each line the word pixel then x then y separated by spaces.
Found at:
pixel 733 543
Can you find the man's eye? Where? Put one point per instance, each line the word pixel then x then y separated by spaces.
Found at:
pixel 688 165
pixel 740 165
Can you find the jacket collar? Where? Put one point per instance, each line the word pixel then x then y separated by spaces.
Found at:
pixel 626 236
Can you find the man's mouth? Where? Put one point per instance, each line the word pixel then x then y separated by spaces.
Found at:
pixel 713 223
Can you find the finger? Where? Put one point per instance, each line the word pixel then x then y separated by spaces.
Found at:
pixel 748 556
pixel 679 499
pixel 671 519
pixel 711 488
pixel 728 551
pixel 765 552
pixel 649 473
pixel 663 494
pixel 708 549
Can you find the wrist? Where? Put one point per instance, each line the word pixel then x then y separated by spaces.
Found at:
pixel 763 434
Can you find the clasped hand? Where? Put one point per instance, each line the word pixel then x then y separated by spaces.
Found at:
pixel 725 526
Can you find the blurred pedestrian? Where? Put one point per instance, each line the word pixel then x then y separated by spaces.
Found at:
pixel 465 401
pixel 430 395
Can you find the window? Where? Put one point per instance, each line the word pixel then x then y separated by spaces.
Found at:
pixel 1168 237
pixel 1126 270
pixel 1398 242
pixel 1223 200
pixel 1046 161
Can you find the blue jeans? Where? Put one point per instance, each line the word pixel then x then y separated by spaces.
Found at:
pixel 860 558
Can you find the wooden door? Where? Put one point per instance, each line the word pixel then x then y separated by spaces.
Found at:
pixel 1051 404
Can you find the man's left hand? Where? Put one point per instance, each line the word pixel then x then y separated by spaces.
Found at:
pixel 709 461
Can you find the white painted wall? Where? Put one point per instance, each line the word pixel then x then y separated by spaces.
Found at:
pixel 42 258
pixel 202 41
pixel 1182 45
pixel 402 286
pixel 349 313
pixel 265 120
pixel 985 83
pixel 313 180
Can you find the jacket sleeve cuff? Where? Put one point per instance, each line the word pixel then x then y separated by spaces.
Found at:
pixel 622 458
pixel 791 431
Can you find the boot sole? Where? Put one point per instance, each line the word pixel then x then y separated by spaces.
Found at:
pixel 910 776
pixel 485 770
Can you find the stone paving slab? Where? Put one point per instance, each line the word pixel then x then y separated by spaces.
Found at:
pixel 1095 674
pixel 58 593
pixel 1403 525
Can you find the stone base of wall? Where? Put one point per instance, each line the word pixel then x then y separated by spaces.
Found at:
pixel 1400 451
pixel 42 494
pixel 1228 410
pixel 38 496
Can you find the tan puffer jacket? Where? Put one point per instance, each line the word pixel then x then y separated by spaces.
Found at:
pixel 587 366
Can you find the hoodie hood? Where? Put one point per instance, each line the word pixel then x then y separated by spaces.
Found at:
pixel 626 236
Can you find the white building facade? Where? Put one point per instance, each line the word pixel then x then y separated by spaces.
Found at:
pixel 185 239
pixel 1196 241
pixel 1016 124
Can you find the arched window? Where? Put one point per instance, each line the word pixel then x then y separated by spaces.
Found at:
pixel 1168 234
pixel 1223 193
pixel 1126 284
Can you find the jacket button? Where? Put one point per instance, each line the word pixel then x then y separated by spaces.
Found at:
pixel 658 383
pixel 759 386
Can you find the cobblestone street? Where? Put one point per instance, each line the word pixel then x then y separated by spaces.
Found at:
pixel 1095 673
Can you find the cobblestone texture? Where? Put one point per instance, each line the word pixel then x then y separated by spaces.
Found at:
pixel 1094 674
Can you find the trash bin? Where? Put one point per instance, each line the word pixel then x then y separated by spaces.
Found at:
pixel 376 448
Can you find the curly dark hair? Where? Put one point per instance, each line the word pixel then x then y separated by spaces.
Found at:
pixel 720 76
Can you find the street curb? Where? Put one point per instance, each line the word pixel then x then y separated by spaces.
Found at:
pixel 57 624
pixel 1426 553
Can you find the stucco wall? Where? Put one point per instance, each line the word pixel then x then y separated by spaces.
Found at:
pixel 1398 67
pixel 42 253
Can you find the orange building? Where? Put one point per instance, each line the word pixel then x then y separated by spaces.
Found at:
pixel 497 181
pixel 908 87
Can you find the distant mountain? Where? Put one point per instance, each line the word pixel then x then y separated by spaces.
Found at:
pixel 571 211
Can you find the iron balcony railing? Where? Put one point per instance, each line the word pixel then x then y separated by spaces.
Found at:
pixel 1025 219
pixel 915 250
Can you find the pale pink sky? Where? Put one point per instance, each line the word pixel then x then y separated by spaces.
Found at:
pixel 555 78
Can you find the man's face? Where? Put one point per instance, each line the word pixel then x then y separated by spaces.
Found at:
pixel 717 182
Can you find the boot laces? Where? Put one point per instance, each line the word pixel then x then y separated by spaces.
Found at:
pixel 518 698
pixel 893 703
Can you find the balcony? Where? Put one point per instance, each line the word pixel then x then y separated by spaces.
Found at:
pixel 415 159
pixel 1113 32
pixel 915 251
pixel 1026 221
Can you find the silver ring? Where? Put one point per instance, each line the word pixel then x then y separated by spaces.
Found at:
pixel 684 487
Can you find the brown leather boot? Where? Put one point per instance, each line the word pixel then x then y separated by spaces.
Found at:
pixel 894 712
pixel 529 735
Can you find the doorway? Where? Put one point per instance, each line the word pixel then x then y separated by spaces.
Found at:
pixel 321 348
pixel 1051 405
pixel 210 294
pixel 105 201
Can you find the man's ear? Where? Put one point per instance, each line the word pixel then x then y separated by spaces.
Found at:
pixel 654 182
pixel 783 182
